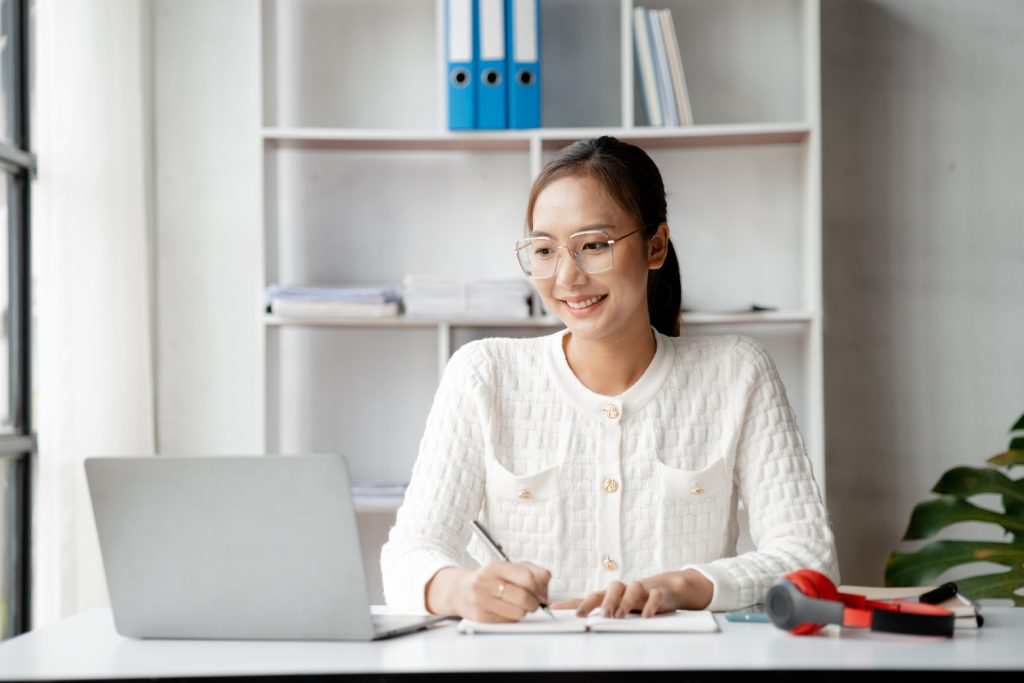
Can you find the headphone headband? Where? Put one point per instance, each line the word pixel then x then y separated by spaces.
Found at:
pixel 804 601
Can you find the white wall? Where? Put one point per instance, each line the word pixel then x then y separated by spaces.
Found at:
pixel 93 389
pixel 923 104
pixel 208 218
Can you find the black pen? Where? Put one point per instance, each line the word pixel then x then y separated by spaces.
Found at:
pixel 499 553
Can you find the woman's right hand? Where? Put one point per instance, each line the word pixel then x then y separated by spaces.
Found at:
pixel 496 592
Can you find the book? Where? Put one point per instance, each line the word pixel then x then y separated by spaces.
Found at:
pixel 645 66
pixel 675 64
pixel 566 621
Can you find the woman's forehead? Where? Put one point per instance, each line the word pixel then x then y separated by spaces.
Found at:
pixel 573 204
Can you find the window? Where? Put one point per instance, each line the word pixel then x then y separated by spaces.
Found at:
pixel 16 441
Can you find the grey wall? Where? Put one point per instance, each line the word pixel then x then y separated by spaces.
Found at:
pixel 923 145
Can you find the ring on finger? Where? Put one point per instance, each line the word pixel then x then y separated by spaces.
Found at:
pixel 501 590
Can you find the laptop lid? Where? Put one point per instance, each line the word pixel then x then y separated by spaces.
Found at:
pixel 238 547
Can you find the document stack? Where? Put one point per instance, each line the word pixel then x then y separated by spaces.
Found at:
pixel 333 302
pixel 438 296
pixel 660 68
pixel 493 64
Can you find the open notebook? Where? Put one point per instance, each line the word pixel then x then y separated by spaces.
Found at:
pixel 566 621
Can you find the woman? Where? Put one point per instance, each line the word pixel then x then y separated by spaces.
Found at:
pixel 606 459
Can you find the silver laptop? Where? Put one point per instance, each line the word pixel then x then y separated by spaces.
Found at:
pixel 246 547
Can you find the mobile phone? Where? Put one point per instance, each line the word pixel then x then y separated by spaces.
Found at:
pixel 753 613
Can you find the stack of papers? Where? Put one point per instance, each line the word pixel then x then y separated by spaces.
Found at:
pixel 337 302
pixel 566 621
pixel 444 297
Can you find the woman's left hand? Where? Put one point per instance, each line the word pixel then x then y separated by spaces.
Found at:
pixel 666 592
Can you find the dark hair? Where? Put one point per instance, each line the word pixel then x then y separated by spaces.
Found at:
pixel 631 178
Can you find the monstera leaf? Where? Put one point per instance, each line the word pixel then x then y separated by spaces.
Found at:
pixel 955 489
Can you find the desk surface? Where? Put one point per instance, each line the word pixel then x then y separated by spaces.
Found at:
pixel 86 646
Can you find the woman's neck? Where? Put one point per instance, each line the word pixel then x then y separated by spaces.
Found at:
pixel 611 366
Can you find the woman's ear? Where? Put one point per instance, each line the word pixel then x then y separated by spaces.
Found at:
pixel 657 248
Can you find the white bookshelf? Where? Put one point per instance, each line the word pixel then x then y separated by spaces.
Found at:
pixel 364 184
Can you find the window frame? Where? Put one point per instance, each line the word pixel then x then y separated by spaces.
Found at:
pixel 19 445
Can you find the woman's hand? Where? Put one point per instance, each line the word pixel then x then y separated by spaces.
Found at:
pixel 666 592
pixel 496 592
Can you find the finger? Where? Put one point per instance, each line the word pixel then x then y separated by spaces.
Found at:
pixel 518 575
pixel 541 575
pixel 589 603
pixel 520 597
pixel 654 604
pixel 566 604
pixel 492 601
pixel 612 598
pixel 633 599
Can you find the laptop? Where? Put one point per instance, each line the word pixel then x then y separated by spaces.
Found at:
pixel 234 547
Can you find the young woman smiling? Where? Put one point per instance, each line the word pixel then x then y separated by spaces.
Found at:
pixel 607 459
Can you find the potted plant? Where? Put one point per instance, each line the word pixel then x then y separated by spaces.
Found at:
pixel 956 488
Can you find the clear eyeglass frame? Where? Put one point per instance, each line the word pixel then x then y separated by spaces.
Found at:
pixel 576 239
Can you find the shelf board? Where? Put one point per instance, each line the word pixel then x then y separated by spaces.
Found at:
pixel 407 321
pixel 549 138
pixel 690 318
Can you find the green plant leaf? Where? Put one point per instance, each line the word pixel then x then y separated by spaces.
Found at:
pixel 932 515
pixel 1001 585
pixel 922 567
pixel 1019 425
pixel 964 482
pixel 1008 459
pixel 1017 444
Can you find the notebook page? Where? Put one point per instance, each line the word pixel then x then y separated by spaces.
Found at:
pixel 565 621
pixel 670 622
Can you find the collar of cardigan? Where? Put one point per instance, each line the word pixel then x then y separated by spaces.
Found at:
pixel 598 406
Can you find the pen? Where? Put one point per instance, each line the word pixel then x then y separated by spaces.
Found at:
pixel 499 553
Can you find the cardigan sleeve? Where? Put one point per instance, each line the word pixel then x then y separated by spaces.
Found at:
pixel 445 490
pixel 789 524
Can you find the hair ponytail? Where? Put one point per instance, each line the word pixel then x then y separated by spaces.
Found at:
pixel 632 179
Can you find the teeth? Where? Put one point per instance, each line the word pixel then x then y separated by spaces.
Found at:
pixel 588 302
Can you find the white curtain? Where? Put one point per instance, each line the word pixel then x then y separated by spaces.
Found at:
pixel 92 205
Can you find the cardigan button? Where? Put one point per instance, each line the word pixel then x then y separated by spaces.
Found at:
pixel 524 494
pixel 611 411
pixel 696 490
pixel 609 564
pixel 610 485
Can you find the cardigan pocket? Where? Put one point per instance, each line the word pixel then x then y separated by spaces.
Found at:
pixel 693 519
pixel 523 514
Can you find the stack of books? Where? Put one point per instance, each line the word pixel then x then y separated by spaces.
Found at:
pixel 333 302
pixel 660 67
pixel 446 297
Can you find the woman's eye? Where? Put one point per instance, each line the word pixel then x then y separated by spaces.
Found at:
pixel 542 251
pixel 595 246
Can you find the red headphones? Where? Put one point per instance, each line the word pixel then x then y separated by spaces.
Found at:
pixel 804 601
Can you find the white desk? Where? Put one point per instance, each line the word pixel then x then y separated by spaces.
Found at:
pixel 87 647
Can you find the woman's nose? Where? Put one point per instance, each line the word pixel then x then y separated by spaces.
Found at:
pixel 567 273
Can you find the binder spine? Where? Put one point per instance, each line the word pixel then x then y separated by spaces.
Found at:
pixel 461 73
pixel 492 81
pixel 522 18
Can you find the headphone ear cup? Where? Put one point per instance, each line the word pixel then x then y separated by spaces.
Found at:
pixel 823 586
pixel 781 604
pixel 816 585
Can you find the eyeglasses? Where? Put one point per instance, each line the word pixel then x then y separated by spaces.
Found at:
pixel 591 251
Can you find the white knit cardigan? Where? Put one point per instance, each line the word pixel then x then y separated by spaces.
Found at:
pixel 599 488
